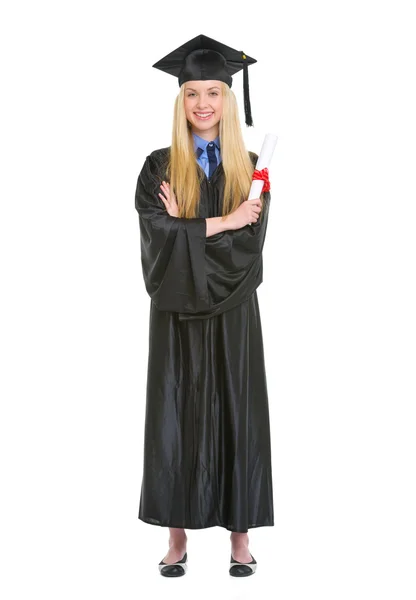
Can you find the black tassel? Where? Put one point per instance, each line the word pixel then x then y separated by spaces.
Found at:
pixel 247 107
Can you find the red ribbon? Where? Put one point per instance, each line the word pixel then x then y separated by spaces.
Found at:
pixel 264 175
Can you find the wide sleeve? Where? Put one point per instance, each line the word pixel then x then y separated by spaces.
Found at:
pixel 172 249
pixel 188 273
pixel 234 263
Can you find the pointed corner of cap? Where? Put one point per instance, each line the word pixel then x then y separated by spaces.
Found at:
pixel 247 59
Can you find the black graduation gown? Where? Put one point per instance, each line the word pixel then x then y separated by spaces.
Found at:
pixel 207 454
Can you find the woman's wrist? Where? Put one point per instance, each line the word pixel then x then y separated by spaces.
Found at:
pixel 218 224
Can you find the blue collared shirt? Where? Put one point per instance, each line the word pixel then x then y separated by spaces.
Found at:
pixel 203 159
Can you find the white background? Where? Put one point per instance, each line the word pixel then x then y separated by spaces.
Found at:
pixel 81 107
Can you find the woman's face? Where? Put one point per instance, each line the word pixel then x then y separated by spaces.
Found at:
pixel 203 107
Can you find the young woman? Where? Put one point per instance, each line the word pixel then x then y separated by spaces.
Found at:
pixel 207 456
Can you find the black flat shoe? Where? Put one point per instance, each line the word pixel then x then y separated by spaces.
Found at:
pixel 239 569
pixel 175 569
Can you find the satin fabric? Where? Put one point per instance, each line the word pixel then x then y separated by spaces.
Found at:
pixel 207 452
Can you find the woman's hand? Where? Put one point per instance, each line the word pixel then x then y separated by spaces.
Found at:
pixel 170 200
pixel 247 213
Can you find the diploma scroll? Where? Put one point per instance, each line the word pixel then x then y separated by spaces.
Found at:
pixel 264 160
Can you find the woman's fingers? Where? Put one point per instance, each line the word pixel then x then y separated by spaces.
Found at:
pixel 256 202
pixel 170 200
pixel 165 202
pixel 166 192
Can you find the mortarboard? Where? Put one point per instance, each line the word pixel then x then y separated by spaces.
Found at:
pixel 205 58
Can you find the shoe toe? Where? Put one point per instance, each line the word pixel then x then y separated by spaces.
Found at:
pixel 175 569
pixel 241 571
pixel 172 571
pixel 238 569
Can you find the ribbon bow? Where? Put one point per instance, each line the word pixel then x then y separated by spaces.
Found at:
pixel 264 175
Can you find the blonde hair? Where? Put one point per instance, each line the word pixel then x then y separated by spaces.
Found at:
pixel 182 170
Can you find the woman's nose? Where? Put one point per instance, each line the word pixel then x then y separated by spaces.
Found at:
pixel 202 102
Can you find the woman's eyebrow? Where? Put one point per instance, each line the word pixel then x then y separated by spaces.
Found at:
pixel 215 87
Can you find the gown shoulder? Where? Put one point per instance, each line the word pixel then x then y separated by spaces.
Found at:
pixel 160 155
pixel 154 166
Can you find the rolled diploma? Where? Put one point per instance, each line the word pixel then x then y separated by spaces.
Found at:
pixel 264 160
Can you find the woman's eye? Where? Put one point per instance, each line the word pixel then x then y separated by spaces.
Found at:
pixel 192 94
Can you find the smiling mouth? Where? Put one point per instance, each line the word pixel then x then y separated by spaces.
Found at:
pixel 203 116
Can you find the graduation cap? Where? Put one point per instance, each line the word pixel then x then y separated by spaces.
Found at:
pixel 204 58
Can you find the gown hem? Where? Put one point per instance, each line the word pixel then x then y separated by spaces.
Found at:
pixel 150 521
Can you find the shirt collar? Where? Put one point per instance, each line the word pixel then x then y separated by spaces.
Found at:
pixel 201 143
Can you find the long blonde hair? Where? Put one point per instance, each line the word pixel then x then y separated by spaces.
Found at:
pixel 182 170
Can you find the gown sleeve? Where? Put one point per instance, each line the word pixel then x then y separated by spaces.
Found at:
pixel 172 249
pixel 186 272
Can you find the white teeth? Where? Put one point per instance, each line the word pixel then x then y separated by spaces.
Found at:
pixel 203 115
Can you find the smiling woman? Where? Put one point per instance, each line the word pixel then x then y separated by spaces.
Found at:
pixel 207 451
pixel 193 135
pixel 203 107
